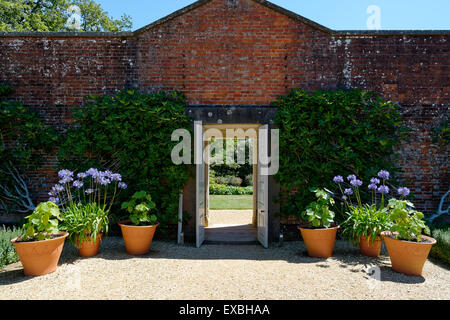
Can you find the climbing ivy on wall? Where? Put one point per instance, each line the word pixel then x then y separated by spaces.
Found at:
pixel 131 133
pixel 326 133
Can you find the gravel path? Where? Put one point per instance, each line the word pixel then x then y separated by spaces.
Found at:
pixel 215 272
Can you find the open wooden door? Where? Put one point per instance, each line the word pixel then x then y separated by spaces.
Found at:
pixel 200 184
pixel 263 191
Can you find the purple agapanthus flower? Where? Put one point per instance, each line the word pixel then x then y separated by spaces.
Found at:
pixel 54 200
pixel 351 177
pixel 65 173
pixel 91 172
pixel 348 191
pixel 375 181
pixel 82 175
pixel 338 179
pixel 403 191
pixel 78 184
pixel 373 186
pixel 122 185
pixel 356 183
pixel 383 189
pixel 66 179
pixel 383 174
pixel 57 188
pixel 89 191
pixel 116 177
pixel 344 198
pixel 104 181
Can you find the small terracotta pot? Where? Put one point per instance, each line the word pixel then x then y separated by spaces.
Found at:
pixel 319 242
pixel 89 248
pixel 40 257
pixel 137 238
pixel 368 248
pixel 407 257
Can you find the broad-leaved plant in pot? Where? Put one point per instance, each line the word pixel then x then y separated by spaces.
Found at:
pixel 140 226
pixel 39 249
pixel 408 248
pixel 85 203
pixel 319 233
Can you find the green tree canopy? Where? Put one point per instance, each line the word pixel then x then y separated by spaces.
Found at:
pixel 58 15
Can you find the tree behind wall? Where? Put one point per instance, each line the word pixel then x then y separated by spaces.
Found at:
pixel 53 15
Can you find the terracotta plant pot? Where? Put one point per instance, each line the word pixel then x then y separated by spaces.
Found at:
pixel 319 242
pixel 137 238
pixel 407 257
pixel 368 248
pixel 89 248
pixel 40 257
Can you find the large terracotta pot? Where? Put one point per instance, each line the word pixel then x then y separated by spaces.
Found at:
pixel 319 242
pixel 89 248
pixel 137 238
pixel 407 257
pixel 368 248
pixel 40 257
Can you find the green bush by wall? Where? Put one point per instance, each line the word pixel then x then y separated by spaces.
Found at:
pixel 325 133
pixel 131 134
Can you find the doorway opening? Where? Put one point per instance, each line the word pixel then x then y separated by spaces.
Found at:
pixel 231 193
pixel 231 217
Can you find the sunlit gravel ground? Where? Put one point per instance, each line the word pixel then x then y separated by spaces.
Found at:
pixel 171 271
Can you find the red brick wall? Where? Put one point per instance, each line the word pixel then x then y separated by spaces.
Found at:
pixel 239 52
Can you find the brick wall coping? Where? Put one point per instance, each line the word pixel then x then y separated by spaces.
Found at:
pixel 199 3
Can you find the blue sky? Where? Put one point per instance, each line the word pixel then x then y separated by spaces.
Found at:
pixel 334 14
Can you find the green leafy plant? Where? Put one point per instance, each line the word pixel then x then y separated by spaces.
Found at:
pixel 131 132
pixel 139 208
pixel 8 253
pixel 84 221
pixel 407 223
pixel 367 221
pixel 441 250
pixel 441 134
pixel 318 212
pixel 326 132
pixel 43 223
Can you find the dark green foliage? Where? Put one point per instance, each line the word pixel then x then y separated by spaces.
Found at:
pixel 131 133
pixel 325 133
pixel 5 90
pixel 441 250
pixel 441 134
pixel 7 251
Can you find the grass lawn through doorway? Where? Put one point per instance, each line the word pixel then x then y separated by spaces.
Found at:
pixel 237 202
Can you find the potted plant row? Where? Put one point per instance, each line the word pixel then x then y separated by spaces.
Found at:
pixel 395 221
